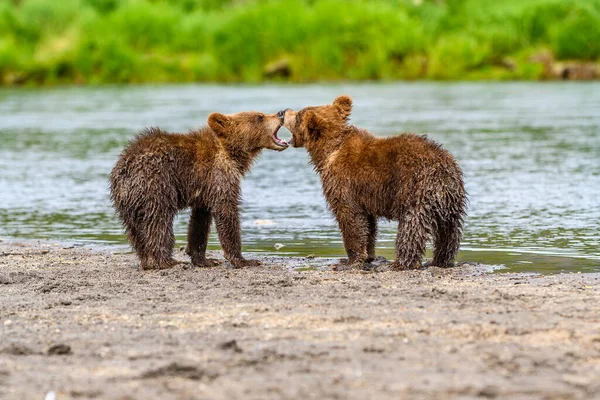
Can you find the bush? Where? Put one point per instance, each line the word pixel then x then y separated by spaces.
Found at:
pixel 103 41
pixel 454 56
pixel 579 35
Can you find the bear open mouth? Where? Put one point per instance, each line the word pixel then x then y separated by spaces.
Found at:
pixel 278 141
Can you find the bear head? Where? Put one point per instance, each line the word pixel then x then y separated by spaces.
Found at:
pixel 318 122
pixel 249 131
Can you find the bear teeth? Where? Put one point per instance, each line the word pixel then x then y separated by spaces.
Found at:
pixel 277 140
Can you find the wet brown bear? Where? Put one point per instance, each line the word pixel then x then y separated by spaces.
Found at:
pixel 406 178
pixel 160 173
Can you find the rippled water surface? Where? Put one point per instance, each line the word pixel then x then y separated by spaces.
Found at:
pixel 530 153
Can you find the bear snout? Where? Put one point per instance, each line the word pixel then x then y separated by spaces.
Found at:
pixel 287 117
pixel 281 115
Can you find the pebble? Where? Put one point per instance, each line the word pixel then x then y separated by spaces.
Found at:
pixel 59 349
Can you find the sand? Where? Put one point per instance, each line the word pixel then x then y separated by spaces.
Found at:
pixel 85 323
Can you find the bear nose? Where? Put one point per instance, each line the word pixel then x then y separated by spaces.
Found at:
pixel 281 114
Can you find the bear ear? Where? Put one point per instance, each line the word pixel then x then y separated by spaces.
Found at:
pixel 219 123
pixel 343 104
pixel 311 123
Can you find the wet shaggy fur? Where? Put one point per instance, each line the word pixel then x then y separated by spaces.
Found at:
pixel 406 178
pixel 160 173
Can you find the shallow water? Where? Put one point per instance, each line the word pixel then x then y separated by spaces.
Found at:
pixel 530 153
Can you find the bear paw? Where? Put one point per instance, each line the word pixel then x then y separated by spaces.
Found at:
pixel 396 266
pixel 243 263
pixel 345 265
pixel 206 263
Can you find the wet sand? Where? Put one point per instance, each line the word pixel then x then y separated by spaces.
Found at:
pixel 88 324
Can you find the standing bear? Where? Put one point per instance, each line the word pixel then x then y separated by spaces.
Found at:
pixel 160 173
pixel 406 178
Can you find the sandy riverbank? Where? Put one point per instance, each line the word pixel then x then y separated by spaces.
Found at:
pixel 89 324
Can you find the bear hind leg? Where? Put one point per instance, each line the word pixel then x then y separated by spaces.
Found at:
pixel 198 231
pixel 137 241
pixel 155 240
pixel 413 231
pixel 446 242
pixel 372 238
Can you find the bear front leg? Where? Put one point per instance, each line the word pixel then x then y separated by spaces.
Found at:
pixel 198 231
pixel 227 220
pixel 355 232
pixel 372 238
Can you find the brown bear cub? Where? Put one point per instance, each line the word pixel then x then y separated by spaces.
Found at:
pixel 160 173
pixel 406 178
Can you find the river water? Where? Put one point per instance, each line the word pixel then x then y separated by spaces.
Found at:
pixel 530 153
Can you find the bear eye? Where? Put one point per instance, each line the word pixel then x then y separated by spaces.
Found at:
pixel 260 118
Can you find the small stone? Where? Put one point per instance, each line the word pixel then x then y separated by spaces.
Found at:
pixel 8 322
pixel 59 349
pixel 373 349
pixel 231 345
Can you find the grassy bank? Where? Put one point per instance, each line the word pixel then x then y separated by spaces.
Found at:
pixel 112 41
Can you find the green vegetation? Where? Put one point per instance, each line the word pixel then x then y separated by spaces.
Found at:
pixel 113 41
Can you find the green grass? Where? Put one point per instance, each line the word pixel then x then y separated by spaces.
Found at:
pixel 112 41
